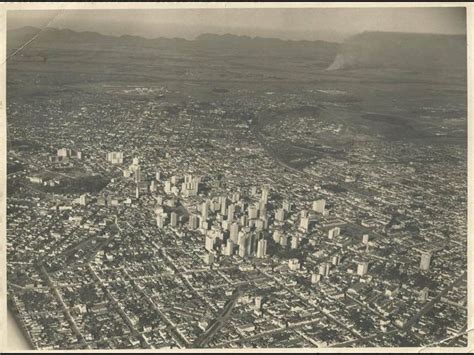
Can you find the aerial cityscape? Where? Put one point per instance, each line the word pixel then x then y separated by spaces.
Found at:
pixel 235 191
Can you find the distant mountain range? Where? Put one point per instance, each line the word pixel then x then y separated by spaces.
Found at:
pixel 410 51
pixel 64 38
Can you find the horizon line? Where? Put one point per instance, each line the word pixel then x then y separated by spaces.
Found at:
pixel 232 34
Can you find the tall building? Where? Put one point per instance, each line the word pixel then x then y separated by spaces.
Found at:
pixel 276 236
pixel 137 174
pixel 319 206
pixel 204 210
pixel 229 248
pixel 230 212
pixel 259 225
pixel 63 152
pixel 322 269
pixel 204 225
pixel 190 186
pixel 283 240
pixel 217 205
pixel 160 221
pixel 294 264
pixel 262 248
pixel 168 187
pixel 327 270
pixel 252 212
pixel 280 215
pixel 242 241
pixel 83 199
pixel 223 205
pixel 253 190
pixel 209 245
pixel 209 258
pixel 294 242
pixel 425 261
pixel 258 303
pixel 159 210
pixel 174 219
pixel 115 157
pixel 193 221
pixel 315 278
pixel 365 239
pixel 264 197
pixel 304 224
pixel 362 268
pixel 286 206
pixel 251 244
pixel 158 176
pixel 234 232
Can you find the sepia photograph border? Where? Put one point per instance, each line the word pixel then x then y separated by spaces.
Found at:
pixel 4 8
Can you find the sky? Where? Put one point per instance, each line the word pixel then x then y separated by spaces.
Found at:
pixel 334 24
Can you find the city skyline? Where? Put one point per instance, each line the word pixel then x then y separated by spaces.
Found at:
pixel 238 192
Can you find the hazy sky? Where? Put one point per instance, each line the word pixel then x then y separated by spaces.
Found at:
pixel 309 23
